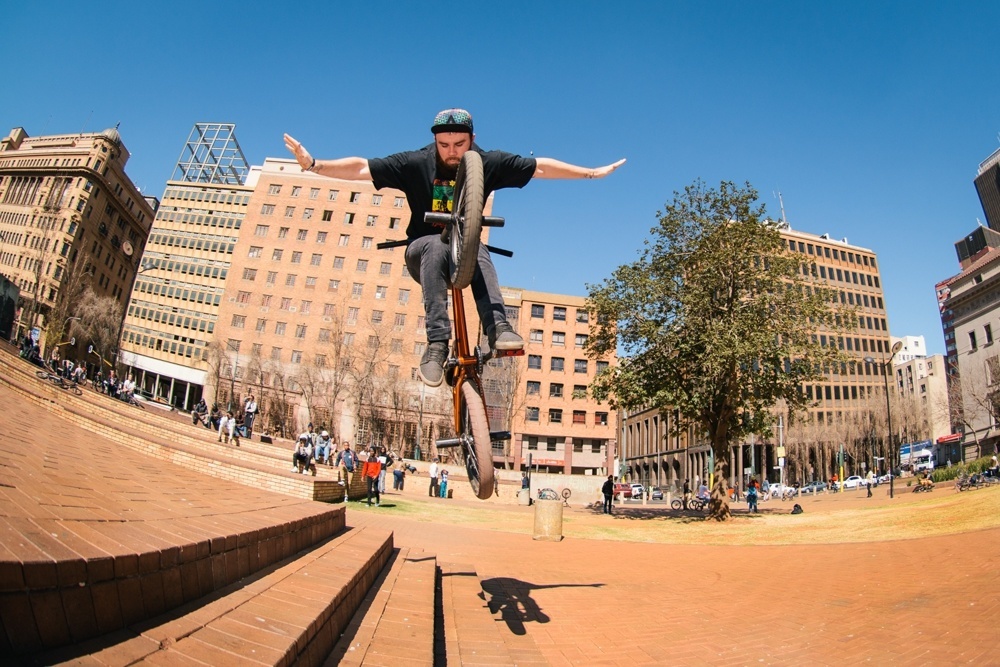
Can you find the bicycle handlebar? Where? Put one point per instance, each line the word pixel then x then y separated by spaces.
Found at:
pixel 446 219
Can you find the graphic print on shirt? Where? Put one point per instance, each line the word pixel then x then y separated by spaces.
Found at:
pixel 443 195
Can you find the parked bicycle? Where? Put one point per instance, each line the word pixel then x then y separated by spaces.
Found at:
pixel 60 381
pixel 697 504
pixel 461 230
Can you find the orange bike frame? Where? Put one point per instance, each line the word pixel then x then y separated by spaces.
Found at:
pixel 467 363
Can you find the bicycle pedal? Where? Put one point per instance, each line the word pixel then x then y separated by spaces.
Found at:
pixel 508 353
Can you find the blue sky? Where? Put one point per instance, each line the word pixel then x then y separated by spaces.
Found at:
pixel 869 117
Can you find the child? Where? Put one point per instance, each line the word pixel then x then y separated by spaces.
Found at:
pixel 444 483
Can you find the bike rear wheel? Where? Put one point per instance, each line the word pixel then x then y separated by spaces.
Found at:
pixel 475 435
pixel 676 504
pixel 463 237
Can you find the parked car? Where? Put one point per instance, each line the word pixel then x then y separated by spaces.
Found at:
pixel 656 493
pixel 853 482
pixel 814 487
pixel 638 491
pixel 623 490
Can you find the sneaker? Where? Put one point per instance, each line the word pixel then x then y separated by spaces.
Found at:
pixel 378 504
pixel 295 469
pixel 503 337
pixel 432 363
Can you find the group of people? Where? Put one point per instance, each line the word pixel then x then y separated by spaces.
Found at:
pixel 231 425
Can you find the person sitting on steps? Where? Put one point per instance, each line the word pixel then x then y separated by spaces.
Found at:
pixel 427 178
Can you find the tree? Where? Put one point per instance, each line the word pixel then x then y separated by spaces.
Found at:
pixel 715 319
pixel 100 322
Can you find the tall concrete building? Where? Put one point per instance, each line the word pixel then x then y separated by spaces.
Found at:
pixel 70 217
pixel 988 186
pixel 172 315
pixel 656 457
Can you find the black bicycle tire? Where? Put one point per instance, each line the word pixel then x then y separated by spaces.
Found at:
pixel 478 457
pixel 463 238
pixel 42 375
pixel 676 504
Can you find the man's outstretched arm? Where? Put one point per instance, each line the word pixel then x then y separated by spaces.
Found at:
pixel 346 168
pixel 546 167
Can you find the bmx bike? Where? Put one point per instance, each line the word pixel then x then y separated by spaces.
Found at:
pixel 461 229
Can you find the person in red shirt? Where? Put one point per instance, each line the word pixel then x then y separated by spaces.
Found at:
pixel 370 471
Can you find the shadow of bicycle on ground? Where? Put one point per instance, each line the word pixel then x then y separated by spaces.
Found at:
pixel 512 599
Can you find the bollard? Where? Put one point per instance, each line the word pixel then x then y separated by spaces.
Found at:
pixel 548 520
pixel 524 497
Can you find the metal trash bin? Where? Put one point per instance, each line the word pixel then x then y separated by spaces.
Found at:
pixel 548 520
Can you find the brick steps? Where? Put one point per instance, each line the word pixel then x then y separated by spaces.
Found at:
pixel 293 614
pixel 261 466
pixel 395 625
pixel 471 634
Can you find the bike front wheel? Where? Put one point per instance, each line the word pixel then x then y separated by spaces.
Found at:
pixel 475 436
pixel 676 504
pixel 464 234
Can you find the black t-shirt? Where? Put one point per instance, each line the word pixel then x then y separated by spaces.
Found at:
pixel 428 185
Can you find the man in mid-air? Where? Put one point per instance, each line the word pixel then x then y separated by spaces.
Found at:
pixel 427 178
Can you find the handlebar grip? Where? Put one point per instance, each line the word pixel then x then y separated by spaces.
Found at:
pixel 392 244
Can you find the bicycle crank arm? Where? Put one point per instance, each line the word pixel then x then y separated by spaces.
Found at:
pixel 500 251
pixel 392 244
pixel 499 435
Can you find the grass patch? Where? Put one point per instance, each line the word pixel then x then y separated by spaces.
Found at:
pixel 906 518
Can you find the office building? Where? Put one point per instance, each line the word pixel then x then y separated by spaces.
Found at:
pixel 988 187
pixel 172 315
pixel 70 218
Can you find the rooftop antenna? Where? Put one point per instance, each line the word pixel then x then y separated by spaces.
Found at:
pixel 781 203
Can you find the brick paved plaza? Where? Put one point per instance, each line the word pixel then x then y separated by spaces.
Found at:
pixel 79 508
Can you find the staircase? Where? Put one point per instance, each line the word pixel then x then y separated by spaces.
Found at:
pixel 129 537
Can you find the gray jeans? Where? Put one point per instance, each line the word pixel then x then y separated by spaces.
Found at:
pixel 427 261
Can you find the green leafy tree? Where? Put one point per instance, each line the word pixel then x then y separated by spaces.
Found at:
pixel 716 319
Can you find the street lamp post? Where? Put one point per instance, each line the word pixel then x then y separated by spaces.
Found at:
pixel 888 412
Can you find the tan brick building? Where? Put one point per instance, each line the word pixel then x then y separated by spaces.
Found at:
pixel 658 458
pixel 69 217
pixel 325 327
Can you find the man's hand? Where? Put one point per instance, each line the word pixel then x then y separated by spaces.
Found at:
pixel 302 156
pixel 601 172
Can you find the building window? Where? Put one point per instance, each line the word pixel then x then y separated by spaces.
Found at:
pixel 531 415
pixel 580 366
pixel 279 328
pixel 262 230
pixel 286 303
pixel 261 326
pixel 239 321
pixel 332 195
pixel 393 223
pixel 282 232
pixel 972 340
pixel 362 266
pixel 580 417
pixel 301 236
pixel 276 254
pixel 356 290
pixel 290 280
pixel 249 274
pixel 989 334
pixel 559 314
pixel 300 331
pixel 535 361
pixel 559 338
pixel 355 197
pixel 555 390
pixel 338 262
pixel 310 282
pixel 366 242
pixel 267 209
pixel 275 354
pixel 579 391
pixel 274 189
pixel 601 418
pixel 398 202
pixel 307 214
pixel 400 321
pixel 535 336
pixel 581 340
pixel 381 291
pixel 555 417
pixel 272 277
pixel 534 388
pixel 333 285
pixel 316 259
pixel 348 218
pixel 296 356
pixel 327 215
pixel 296 189
pixel 344 240
pixel 313 193
pixel 558 364
pixel 320 237
pixel 537 310
pixel 296 257
pixel 602 366
pixel 377 316
pixel 352 315
pixel 243 297
pixel 289 211
pixel 582 316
